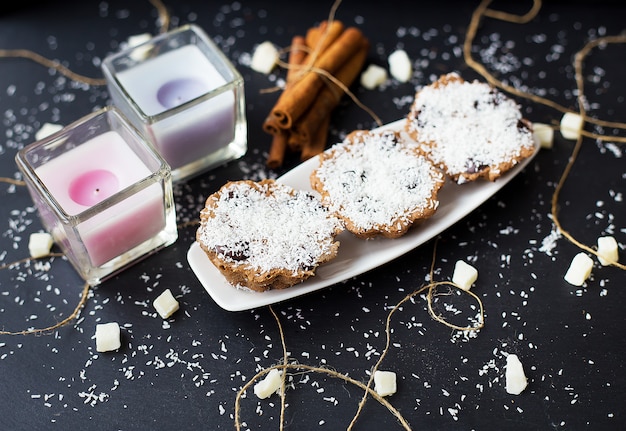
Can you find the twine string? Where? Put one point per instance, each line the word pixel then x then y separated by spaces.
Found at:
pixel 322 370
pixel 483 11
pixel 430 289
pixel 317 51
pixel 37 58
pixel 164 19
pixel 12 181
pixel 163 13
pixel 283 376
pixel 38 331
pixel 578 66
pixel 366 387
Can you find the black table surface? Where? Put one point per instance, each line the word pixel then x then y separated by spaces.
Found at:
pixel 185 372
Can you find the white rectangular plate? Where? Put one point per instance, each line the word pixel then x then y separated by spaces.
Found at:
pixel 355 256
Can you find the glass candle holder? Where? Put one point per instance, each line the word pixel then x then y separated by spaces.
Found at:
pixel 103 193
pixel 181 91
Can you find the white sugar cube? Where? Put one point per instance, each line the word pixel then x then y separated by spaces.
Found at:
pixel 400 65
pixel 544 134
pixel 264 58
pixel 516 380
pixel 464 275
pixel 39 244
pixel 579 270
pixel 165 304
pixel 373 76
pixel 571 125
pixel 46 130
pixel 139 52
pixel 137 39
pixel 607 250
pixel 385 383
pixel 269 385
pixel 108 337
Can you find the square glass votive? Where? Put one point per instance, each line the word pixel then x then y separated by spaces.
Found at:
pixel 103 193
pixel 185 96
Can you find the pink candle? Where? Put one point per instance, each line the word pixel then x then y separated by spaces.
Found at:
pixel 94 171
pixel 93 187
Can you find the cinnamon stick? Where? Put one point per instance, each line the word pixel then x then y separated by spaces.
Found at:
pixel 297 56
pixel 277 150
pixel 318 39
pixel 294 101
pixel 280 138
pixel 329 97
pixel 271 126
pixel 317 144
pixel 321 37
pixel 295 141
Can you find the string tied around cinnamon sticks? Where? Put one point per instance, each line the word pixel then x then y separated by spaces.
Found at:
pixel 287 365
pixel 321 67
pixel 296 100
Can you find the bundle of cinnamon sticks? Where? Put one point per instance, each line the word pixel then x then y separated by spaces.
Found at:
pixel 327 55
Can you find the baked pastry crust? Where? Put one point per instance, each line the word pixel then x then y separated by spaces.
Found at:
pixel 378 183
pixel 470 130
pixel 266 235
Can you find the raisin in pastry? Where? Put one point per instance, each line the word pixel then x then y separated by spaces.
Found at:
pixel 378 183
pixel 469 129
pixel 266 235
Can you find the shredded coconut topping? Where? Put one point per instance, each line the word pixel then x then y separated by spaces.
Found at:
pixel 468 125
pixel 377 180
pixel 267 225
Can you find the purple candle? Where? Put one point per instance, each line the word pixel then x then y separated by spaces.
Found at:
pixel 178 91
pixel 162 87
pixel 186 97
